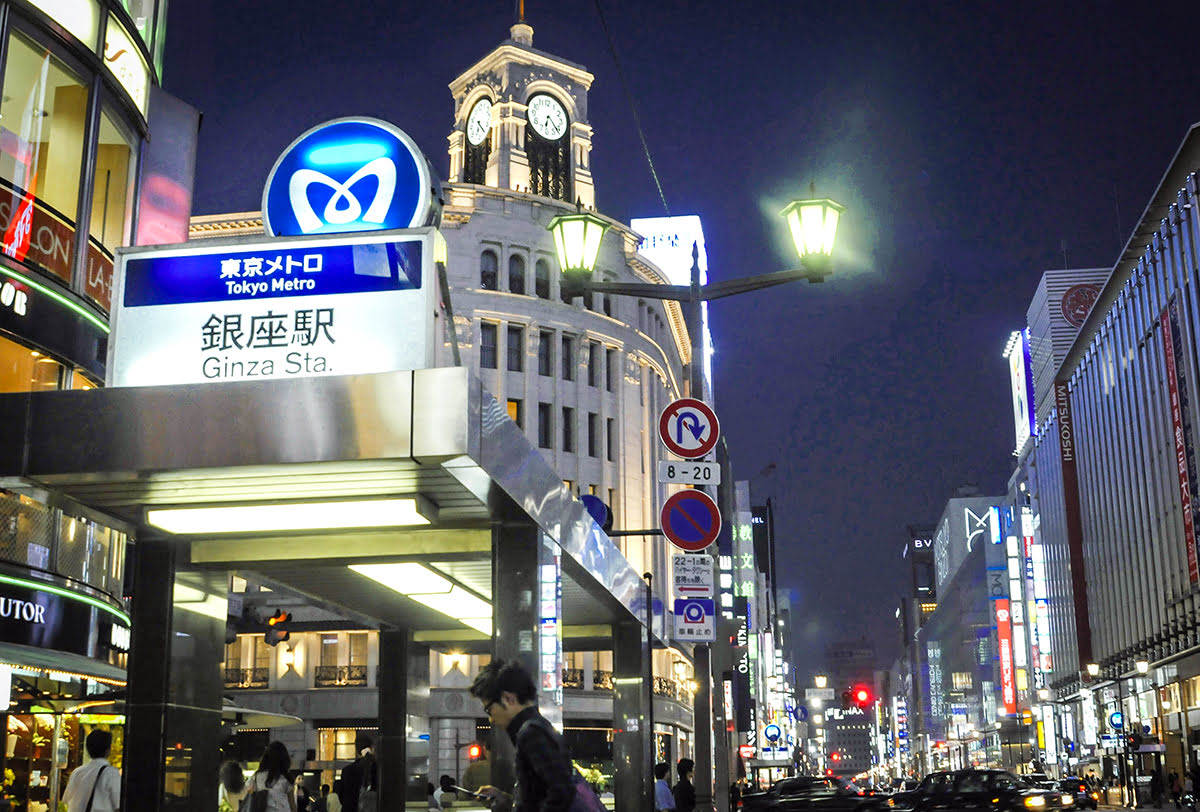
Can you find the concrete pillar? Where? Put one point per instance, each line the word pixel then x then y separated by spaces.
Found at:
pixel 391 749
pixel 173 710
pixel 633 765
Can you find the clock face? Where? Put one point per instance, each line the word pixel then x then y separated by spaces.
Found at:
pixel 479 122
pixel 548 117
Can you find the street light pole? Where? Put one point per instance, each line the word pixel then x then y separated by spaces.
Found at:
pixel 813 225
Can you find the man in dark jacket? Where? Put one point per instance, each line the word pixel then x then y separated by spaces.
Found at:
pixel 545 779
pixel 363 772
pixel 684 791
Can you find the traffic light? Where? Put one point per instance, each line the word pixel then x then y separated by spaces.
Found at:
pixel 847 699
pixel 862 696
pixel 277 628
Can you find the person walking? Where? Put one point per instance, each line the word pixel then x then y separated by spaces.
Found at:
pixel 334 802
pixel 97 784
pixel 663 799
pixel 360 780
pixel 1156 788
pixel 1175 787
pixel 233 784
pixel 545 776
pixel 272 777
pixel 684 791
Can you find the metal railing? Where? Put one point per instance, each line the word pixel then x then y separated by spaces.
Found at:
pixel 247 677
pixel 339 676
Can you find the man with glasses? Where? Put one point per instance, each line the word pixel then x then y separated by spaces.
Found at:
pixel 544 773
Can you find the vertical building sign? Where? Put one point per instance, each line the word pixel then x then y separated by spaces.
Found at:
pixel 1008 686
pixel 1181 418
pixel 1019 366
pixel 1070 477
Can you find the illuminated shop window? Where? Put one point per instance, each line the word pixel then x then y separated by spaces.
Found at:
pixel 125 60
pixel 26 370
pixel 41 149
pixel 80 17
pixel 111 213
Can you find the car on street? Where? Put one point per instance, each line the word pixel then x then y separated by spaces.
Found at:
pixel 980 791
pixel 816 793
pixel 1084 798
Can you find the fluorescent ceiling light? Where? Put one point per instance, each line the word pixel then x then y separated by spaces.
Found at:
pixel 289 516
pixel 407 579
pixel 421 584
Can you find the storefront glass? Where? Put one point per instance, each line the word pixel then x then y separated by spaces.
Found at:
pixel 125 60
pixel 112 191
pixel 42 125
pixel 80 17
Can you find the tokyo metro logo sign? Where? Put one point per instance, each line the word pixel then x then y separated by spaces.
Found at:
pixel 348 175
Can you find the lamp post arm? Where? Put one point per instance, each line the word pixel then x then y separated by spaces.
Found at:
pixel 717 290
pixel 732 287
pixel 646 290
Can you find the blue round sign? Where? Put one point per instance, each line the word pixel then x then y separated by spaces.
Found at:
pixel 1117 720
pixel 349 174
pixel 772 733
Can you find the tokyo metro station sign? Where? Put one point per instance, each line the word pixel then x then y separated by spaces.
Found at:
pixel 345 283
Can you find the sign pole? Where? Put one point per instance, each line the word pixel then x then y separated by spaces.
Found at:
pixel 702 707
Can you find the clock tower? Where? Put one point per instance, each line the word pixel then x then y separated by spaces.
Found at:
pixel 520 122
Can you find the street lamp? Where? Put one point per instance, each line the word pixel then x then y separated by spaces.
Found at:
pixel 1142 666
pixel 821 680
pixel 1093 669
pixel 577 238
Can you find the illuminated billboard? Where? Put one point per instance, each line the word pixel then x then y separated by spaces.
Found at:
pixel 1019 363
pixel 667 242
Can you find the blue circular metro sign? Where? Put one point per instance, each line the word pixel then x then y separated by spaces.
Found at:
pixel 349 174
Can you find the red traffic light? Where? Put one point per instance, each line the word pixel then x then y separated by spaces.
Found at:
pixel 835 756
pixel 861 695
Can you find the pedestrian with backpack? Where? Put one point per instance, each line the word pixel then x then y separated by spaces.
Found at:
pixel 547 781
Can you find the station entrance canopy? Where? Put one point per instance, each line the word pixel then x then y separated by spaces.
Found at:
pixel 430 435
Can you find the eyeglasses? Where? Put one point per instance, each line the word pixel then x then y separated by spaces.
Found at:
pixel 487 709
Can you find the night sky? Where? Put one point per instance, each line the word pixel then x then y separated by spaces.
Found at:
pixel 976 145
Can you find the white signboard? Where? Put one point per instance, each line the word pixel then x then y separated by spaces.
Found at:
pixel 818 693
pixel 689 472
pixel 693 575
pixel 695 620
pixel 284 308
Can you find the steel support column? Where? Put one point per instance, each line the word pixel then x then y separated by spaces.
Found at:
pixel 391 749
pixel 633 759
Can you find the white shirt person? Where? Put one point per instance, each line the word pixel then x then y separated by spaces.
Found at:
pixel 98 776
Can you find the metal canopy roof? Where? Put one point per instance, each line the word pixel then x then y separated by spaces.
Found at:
pixel 117 452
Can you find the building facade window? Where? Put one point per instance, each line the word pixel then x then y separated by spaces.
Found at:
pixel 541 280
pixel 45 106
pixel 593 434
pixel 610 370
pixel 546 353
pixel 568 358
pixel 545 425
pixel 489 270
pixel 568 429
pixel 487 345
pixel 516 412
pixel 593 363
pixel 516 274
pixel 516 349
pixel 610 442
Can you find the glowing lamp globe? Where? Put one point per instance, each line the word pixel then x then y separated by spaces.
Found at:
pixel 577 242
pixel 813 224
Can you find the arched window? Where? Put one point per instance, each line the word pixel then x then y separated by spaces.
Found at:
pixel 489 271
pixel 516 274
pixel 542 279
